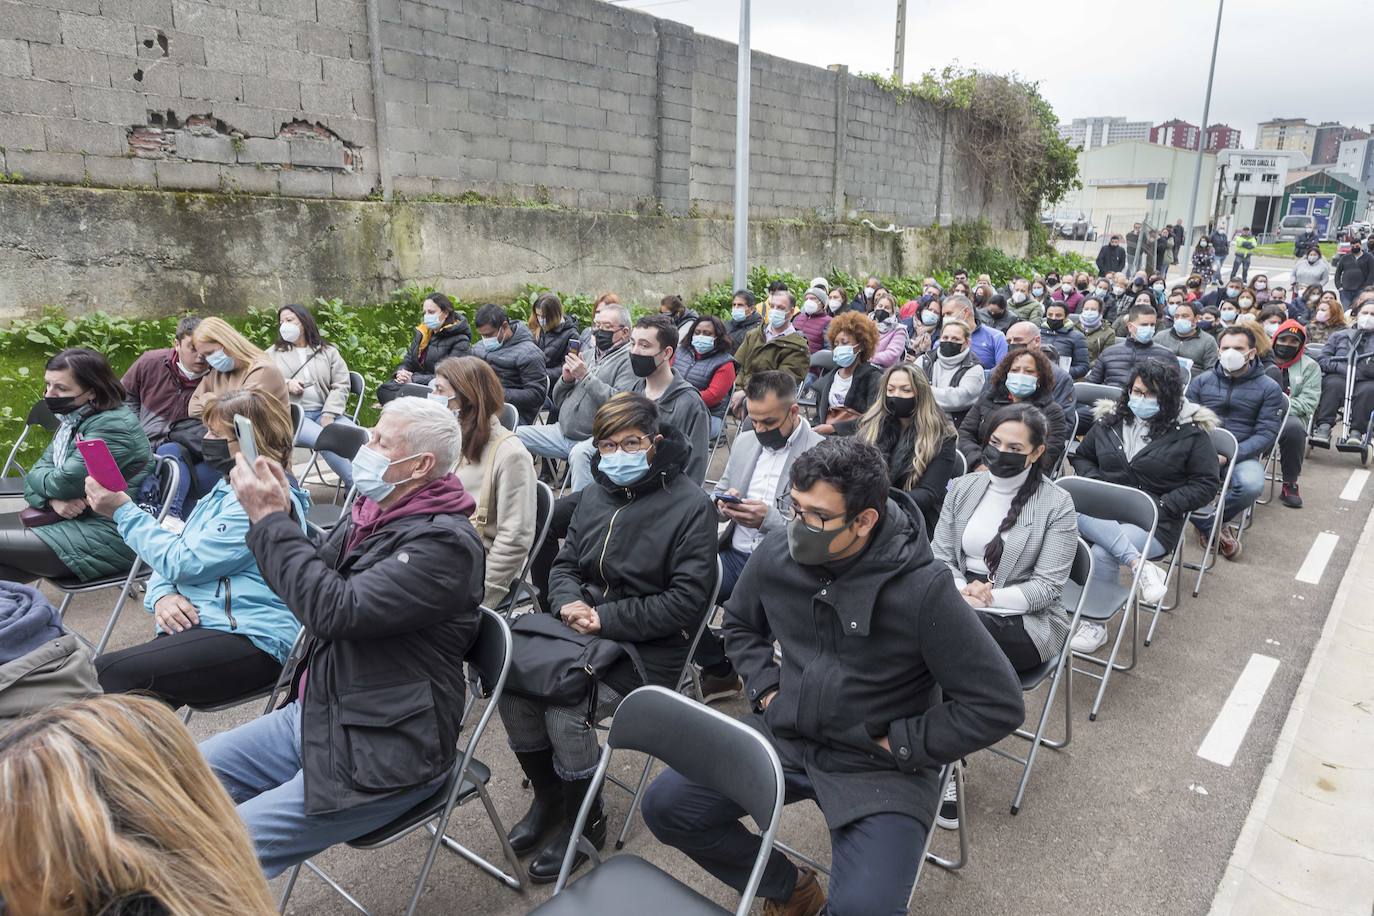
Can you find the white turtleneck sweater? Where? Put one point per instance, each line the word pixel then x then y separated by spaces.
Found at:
pixel 982 528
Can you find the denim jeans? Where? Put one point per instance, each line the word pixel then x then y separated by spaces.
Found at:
pixel 259 765
pixel 546 440
pixel 310 431
pixel 1114 545
pixel 197 474
pixel 1247 483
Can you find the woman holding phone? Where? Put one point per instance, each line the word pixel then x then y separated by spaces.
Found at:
pixel 58 537
pixel 316 380
pixel 221 632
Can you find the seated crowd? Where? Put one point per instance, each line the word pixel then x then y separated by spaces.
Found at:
pixel 892 465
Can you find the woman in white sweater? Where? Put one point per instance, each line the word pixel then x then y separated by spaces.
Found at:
pixel 495 467
pixel 316 380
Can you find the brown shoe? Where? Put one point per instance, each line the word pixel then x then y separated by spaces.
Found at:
pixel 1227 545
pixel 808 897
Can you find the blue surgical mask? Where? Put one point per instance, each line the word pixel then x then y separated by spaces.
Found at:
pixel 703 344
pixel 491 343
pixel 1171 308
pixel 777 318
pixel 1158 287
pixel 432 320
pixel 1143 408
pixel 1022 384
pixel 1145 333
pixel 624 468
pixel 929 319
pixel 438 399
pixel 1090 319
pixel 737 313
pixel 1037 291
pixel 1183 326
pixel 221 361
pixel 1228 315
pixel 369 469
pixel 844 355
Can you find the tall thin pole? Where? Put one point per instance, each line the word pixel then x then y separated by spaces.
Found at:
pixel 742 80
pixel 1206 113
pixel 899 56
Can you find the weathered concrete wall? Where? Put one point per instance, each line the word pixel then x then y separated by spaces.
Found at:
pixel 575 102
pixel 152 252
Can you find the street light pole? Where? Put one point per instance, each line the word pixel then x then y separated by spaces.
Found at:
pixel 742 80
pixel 899 56
pixel 1206 113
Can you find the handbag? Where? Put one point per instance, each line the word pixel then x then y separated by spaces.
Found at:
pixel 37 518
pixel 552 662
pixel 189 433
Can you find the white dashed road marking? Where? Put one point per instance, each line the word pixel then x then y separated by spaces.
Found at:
pixel 1355 486
pixel 1228 731
pixel 1317 558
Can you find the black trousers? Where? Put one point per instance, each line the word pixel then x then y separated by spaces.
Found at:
pixel 196 666
pixel 1010 634
pixel 1333 397
pixel 1292 448
pixel 24 556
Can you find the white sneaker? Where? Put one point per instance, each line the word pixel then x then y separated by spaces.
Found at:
pixel 173 524
pixel 1089 638
pixel 948 818
pixel 1153 584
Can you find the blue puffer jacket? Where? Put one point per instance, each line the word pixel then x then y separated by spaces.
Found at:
pixel 211 566
pixel 1250 406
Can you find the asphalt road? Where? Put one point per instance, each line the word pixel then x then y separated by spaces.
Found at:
pixel 1129 819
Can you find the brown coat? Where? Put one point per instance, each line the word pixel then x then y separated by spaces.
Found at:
pixel 260 376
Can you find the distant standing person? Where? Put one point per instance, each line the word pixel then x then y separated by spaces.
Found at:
pixel 1221 247
pixel 1180 237
pixel 1311 270
pixel 1111 257
pixel 1246 243
pixel 1354 271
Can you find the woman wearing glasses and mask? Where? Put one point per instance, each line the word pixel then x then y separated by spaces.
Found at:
pixel 636 567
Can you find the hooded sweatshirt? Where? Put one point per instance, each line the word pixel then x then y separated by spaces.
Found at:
pixel 1301 377
pixel 445 495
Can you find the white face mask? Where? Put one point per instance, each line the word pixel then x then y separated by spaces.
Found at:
pixel 1365 322
pixel 1232 360
pixel 290 332
pixel 811 306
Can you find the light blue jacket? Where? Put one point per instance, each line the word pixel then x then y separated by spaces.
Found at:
pixel 208 555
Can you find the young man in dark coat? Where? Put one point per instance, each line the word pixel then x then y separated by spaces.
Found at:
pixel 869 626
pixel 389 604
pixel 510 350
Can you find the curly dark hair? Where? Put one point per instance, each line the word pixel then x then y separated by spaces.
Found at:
pixel 1044 373
pixel 860 329
pixel 1167 384
pixel 718 328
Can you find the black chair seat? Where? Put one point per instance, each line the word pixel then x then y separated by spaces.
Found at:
pixel 626 885
pixel 11 486
pixel 1036 676
pixel 73 584
pixel 325 515
pixel 426 809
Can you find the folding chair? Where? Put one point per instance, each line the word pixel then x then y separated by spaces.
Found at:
pixel 1271 469
pixel 413 390
pixel 824 360
pixel 1090 393
pixel 297 421
pixel 357 388
pixel 722 437
pixel 169 474
pixel 962 462
pixel 292 658
pixel 39 416
pixel 344 440
pixel 488 663
pixel 1226 445
pixel 1057 670
pixel 543 520
pixel 1072 420
pixel 709 749
pixel 510 417
pixel 1101 601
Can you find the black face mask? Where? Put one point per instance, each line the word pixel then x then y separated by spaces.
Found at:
pixel 1083 287
pixel 901 407
pixel 61 406
pixel 643 364
pixel 216 455
pixel 1003 464
pixel 881 315
pixel 1285 352
pixel 950 348
pixel 1054 324
pixel 772 439
pixel 604 340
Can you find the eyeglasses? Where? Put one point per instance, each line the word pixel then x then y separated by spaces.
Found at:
pixel 630 445
pixel 813 521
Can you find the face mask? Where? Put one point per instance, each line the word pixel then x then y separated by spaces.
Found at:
pixel 811 307
pixel 1183 327
pixel 1233 360
pixel 1312 258
pixel 1285 352
pixel 1158 287
pixel 369 469
pixel 1082 286
pixel 1054 324
pixel 1003 464
pixel 1145 333
pixel 643 365
pixel 1247 302
pixel 901 407
pixel 438 399
pixel 491 344
pixel 703 344
pixel 221 361
pixel 1271 328
pixel 289 332
pixel 61 406
pixel 1018 297
pixel 776 318
pixel 1090 319
pixel 772 439
pixel 1066 287
pixel 868 292
pixel 1118 289
pixel 1365 322
pixel 1322 315
pixel 950 349
pixel 737 313
pixel 1022 384
pixel 624 469
pixel 1232 292
pixel 216 455
pixel 929 319
pixel 604 339
pixel 810 548
pixel 1143 408
pixel 1037 291
pixel 1228 315
pixel 1204 323
pixel 543 322
pixel 1260 284
pixel 187 372
pixel 881 315
pixel 844 355
pixel 836 305
pixel 1171 308
pixel 432 320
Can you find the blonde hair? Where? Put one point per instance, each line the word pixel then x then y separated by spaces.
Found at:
pixel 273 433
pixel 107 799
pixel 930 425
pixel 1262 342
pixel 217 330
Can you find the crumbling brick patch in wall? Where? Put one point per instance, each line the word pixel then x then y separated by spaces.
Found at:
pixel 204 138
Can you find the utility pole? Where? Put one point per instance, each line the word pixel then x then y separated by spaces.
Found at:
pixel 899 56
pixel 1206 113
pixel 742 79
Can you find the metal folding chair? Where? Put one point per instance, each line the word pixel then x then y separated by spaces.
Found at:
pixel 357 388
pixel 823 360
pixel 709 749
pixel 40 417
pixel 1057 670
pixel 1271 469
pixel 1090 393
pixel 510 417
pixel 344 440
pixel 292 658
pixel 488 663
pixel 543 519
pixel 1225 444
pixel 414 390
pixel 1103 601
pixel 297 421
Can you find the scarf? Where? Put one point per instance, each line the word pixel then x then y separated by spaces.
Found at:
pixel 66 431
pixel 444 495
pixel 426 335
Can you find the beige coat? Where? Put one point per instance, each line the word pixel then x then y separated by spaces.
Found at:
pixel 508 501
pixel 261 376
pixel 325 369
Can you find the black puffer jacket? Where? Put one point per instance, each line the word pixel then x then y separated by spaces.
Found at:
pixel 519 364
pixel 1117 362
pixel 974 430
pixel 650 549
pixel 554 342
pixel 453 339
pixel 1178 469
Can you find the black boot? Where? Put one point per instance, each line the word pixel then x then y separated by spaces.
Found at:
pixel 544 868
pixel 546 811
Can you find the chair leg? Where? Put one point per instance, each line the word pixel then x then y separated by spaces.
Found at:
pixel 291 877
pixel 119 607
pixel 336 887
pixel 1111 664
pixel 962 860
pixel 437 831
pixel 634 805
pixel 515 882
pixel 1036 740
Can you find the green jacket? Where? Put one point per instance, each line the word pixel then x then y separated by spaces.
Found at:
pixel 757 353
pixel 1030 310
pixel 1246 245
pixel 1304 387
pixel 90 545
pixel 1098 340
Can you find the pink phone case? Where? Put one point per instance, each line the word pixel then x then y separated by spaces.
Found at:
pixel 101 464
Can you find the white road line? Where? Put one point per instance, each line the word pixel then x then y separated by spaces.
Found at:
pixel 1228 731
pixel 1355 485
pixel 1317 558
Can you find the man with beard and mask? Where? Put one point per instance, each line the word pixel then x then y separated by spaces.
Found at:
pixel 510 350
pixel 852 706
pixel 987 343
pixel 955 374
pixel 588 381
pixel 221 632
pixel 775 345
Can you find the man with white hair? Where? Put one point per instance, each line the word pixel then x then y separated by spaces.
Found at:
pixel 389 605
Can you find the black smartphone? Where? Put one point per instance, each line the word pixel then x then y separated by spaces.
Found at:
pixel 727 498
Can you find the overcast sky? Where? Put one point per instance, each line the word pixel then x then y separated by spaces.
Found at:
pixel 1144 60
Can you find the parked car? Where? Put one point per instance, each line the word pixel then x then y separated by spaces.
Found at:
pixel 1291 227
pixel 1069 225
